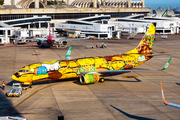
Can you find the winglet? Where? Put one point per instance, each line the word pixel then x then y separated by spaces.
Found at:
pixel 165 102
pixel 167 64
pixel 68 55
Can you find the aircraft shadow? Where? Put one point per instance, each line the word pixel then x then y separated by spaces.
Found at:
pixel 6 106
pixel 10 83
pixel 74 80
pixel 54 81
pixel 178 83
pixel 115 80
pixel 1 87
pixel 132 116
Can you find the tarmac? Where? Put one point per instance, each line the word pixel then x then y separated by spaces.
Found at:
pixel 118 98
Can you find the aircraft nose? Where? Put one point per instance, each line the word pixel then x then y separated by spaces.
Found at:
pixel 15 78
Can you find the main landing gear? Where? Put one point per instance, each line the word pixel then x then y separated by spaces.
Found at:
pixel 101 80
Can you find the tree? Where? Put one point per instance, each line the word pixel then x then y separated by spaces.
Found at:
pixel 1 2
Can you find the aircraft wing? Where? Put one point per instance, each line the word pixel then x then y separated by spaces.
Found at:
pixel 68 39
pixel 31 39
pixel 167 103
pixel 163 54
pixel 41 39
pixel 126 71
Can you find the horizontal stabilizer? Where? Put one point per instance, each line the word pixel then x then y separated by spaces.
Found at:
pixel 162 54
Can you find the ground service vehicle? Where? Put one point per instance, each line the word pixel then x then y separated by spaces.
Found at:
pixel 15 90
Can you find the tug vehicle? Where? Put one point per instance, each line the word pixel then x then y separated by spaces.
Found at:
pixel 15 90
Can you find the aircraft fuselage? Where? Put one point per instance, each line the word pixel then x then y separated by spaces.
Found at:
pixel 61 69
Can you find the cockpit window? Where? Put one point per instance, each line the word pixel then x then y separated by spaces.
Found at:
pixel 24 71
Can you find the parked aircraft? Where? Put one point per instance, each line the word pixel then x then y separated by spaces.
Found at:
pixel 165 102
pixel 53 41
pixel 91 69
pixel 166 15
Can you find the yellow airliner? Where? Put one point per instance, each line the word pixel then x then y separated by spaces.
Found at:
pixel 92 69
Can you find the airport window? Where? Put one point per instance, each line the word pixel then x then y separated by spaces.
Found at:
pixel 153 19
pixel 126 20
pixel 159 31
pixel 105 22
pixel 137 17
pixel 113 28
pixel 74 22
pixel 9 32
pixel 167 31
pixel 96 35
pixel 68 15
pixel 44 25
pixel 52 25
pixel 1 32
pixel 103 35
pixel 32 5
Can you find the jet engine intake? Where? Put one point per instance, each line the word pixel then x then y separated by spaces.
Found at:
pixel 89 78
pixel 64 42
pixel 38 43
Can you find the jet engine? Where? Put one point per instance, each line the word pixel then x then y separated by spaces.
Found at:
pixel 64 42
pixel 89 78
pixel 38 43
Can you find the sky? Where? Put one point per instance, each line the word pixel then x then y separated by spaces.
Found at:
pixel 154 4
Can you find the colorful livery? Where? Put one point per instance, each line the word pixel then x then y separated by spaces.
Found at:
pixel 92 69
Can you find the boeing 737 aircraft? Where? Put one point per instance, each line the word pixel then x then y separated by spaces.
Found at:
pixel 52 41
pixel 92 69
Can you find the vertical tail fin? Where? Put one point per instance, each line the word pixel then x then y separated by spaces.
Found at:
pixel 146 44
pixel 49 29
pixel 164 14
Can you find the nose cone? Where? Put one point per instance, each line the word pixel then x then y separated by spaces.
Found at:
pixel 15 78
pixel 50 40
pixel 24 79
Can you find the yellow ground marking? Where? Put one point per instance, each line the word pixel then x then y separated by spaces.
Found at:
pixel 129 76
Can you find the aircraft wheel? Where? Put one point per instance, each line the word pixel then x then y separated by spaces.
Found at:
pixel 101 80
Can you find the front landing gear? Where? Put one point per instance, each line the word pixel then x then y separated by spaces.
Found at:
pixel 101 80
pixel 30 86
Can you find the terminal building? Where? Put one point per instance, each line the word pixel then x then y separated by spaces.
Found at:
pixel 73 9
pixel 36 14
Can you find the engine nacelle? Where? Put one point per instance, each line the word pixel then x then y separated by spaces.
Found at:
pixel 89 78
pixel 38 43
pixel 64 42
